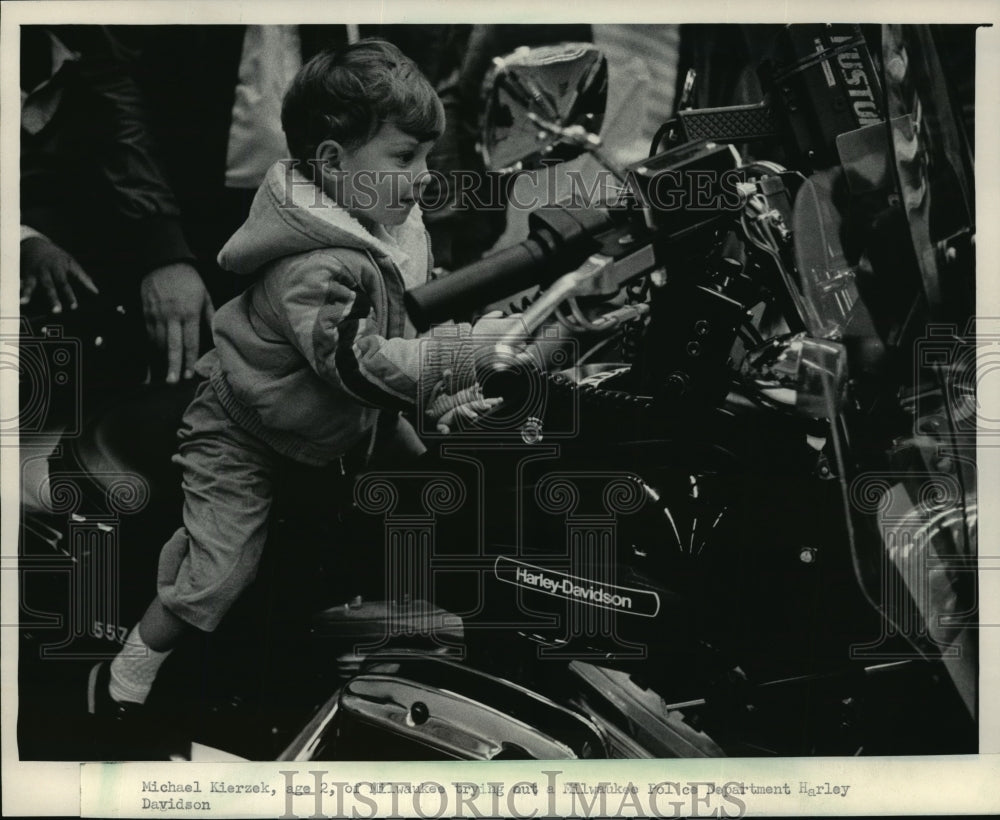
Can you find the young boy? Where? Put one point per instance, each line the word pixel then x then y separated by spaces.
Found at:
pixel 311 354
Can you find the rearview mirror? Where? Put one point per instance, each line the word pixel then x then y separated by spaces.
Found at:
pixel 532 96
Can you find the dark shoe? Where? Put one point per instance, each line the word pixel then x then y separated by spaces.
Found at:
pixel 122 730
pixel 99 701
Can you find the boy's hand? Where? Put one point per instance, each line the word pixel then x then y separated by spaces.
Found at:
pixel 447 407
pixel 44 263
pixel 494 334
pixel 174 303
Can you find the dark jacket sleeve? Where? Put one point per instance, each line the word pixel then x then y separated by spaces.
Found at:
pixel 126 156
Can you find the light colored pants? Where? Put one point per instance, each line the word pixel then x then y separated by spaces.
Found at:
pixel 228 475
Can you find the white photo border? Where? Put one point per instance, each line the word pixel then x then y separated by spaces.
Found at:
pixel 966 785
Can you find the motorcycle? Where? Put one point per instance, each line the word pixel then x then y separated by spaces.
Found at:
pixel 726 508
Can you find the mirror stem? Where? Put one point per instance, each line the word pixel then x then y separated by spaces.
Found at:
pixel 581 137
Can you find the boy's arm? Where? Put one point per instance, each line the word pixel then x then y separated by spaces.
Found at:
pixel 330 319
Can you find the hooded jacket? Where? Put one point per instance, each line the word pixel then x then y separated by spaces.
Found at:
pixel 306 356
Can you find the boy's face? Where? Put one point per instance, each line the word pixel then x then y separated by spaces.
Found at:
pixel 380 180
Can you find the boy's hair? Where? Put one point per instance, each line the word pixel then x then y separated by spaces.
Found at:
pixel 347 95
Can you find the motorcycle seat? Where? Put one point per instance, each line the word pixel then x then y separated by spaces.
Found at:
pixel 372 620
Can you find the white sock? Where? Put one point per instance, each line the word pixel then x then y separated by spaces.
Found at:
pixel 134 669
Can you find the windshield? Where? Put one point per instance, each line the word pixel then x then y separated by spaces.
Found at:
pixel 884 249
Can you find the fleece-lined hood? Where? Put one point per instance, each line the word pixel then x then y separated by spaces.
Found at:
pixel 290 215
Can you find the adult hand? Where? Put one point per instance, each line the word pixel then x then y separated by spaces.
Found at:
pixel 45 264
pixel 174 303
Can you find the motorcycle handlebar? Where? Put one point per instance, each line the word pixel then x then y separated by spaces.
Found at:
pixel 561 237
pixel 475 285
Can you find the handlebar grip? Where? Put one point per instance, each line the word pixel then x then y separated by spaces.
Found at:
pixel 480 283
pixel 560 238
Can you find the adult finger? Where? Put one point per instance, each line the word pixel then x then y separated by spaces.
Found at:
pixel 175 350
pixel 63 283
pixel 28 284
pixel 191 337
pixel 80 275
pixel 50 290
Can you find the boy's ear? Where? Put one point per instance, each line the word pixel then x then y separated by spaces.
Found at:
pixel 329 153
